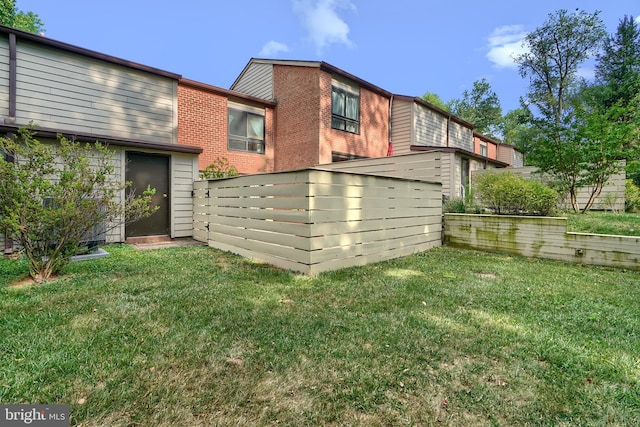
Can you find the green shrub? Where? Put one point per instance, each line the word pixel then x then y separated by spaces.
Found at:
pixel 631 196
pixel 508 194
pixel 220 168
pixel 454 205
pixel 53 195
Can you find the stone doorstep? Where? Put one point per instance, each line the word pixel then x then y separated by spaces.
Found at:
pixel 148 239
pixel 156 242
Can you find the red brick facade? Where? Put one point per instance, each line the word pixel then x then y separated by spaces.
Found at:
pixel 304 136
pixel 373 139
pixel 202 122
pixel 297 91
pixel 298 130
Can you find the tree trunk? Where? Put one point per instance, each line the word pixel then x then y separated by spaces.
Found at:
pixel 592 198
pixel 574 199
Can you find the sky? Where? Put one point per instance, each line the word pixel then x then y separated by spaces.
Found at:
pixel 407 47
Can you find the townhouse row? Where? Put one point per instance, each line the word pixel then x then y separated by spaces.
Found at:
pixel 278 115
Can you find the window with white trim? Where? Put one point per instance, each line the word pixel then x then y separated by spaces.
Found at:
pixel 246 129
pixel 483 149
pixel 345 107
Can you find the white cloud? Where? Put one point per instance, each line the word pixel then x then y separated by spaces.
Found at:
pixel 505 43
pixel 638 19
pixel 323 24
pixel 272 48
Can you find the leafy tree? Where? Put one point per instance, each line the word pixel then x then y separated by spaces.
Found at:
pixel 618 81
pixel 599 134
pixel 220 168
pixel 433 98
pixel 556 100
pixel 53 195
pixel 480 107
pixel 25 21
pixel 517 128
pixel 618 66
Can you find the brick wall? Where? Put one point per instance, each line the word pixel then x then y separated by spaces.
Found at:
pixel 373 139
pixel 297 93
pixel 202 122
pixel 304 135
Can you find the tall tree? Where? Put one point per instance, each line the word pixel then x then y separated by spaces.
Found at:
pixel 481 107
pixel 555 51
pixel 618 66
pixel 25 21
pixel 517 129
pixel 618 82
pixel 434 98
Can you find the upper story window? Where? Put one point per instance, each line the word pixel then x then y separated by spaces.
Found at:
pixel 246 128
pixel 345 107
pixel 483 149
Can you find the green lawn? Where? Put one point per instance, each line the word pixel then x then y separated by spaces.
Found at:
pixel 625 224
pixel 194 336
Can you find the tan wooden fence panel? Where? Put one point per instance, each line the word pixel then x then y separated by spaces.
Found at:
pixel 316 220
pixel 540 237
pixel 425 166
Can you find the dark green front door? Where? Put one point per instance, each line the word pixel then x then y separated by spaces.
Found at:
pixel 145 170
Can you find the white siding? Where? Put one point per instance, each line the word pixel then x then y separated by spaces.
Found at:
pixel 401 126
pixel 70 92
pixel 430 128
pixel 4 77
pixel 257 81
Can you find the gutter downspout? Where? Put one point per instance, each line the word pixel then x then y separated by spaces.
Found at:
pixel 390 123
pixel 13 68
pixel 448 127
pixel 8 243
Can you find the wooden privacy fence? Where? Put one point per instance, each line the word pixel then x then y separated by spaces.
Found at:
pixel 540 237
pixel 315 220
pixel 425 166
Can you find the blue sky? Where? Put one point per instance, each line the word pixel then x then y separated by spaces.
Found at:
pixel 407 47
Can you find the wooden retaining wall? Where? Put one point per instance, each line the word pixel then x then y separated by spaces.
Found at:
pixel 315 220
pixel 540 237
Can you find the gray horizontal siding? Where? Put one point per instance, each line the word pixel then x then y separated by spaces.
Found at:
pixel 430 127
pixel 401 127
pixel 460 136
pixel 4 77
pixel 184 170
pixel 71 92
pixel 256 81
